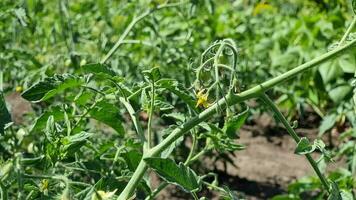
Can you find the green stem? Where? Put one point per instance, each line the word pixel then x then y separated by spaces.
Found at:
pixel 132 24
pixel 232 99
pixel 3 191
pixel 190 155
pixel 1 81
pixel 294 135
pixel 152 108
pixel 348 31
pixel 134 118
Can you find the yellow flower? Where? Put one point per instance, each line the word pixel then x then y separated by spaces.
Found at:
pixel 102 195
pixel 44 186
pixel 261 7
pixel 18 89
pixel 202 99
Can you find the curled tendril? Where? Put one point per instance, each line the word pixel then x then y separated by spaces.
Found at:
pixel 217 72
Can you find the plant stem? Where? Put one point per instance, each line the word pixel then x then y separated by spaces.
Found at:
pixel 294 135
pixel 152 108
pixel 1 81
pixel 135 20
pixel 134 118
pixel 348 31
pixel 232 99
pixel 3 192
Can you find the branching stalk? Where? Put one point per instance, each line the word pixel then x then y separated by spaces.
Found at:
pixel 232 99
pixel 135 20
pixel 294 135
pixel 348 31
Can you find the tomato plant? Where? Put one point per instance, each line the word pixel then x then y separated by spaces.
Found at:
pixel 172 85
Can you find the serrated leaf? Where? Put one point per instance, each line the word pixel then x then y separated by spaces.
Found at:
pixel 98 69
pixel 176 174
pixel 5 116
pixel 161 105
pixel 177 89
pixel 73 143
pixel 152 74
pixel 20 13
pixel 177 116
pixel 132 159
pixel 40 122
pixel 50 129
pixel 108 114
pixel 51 86
pixel 234 124
pixel 304 147
pixel 327 123
pixel 335 193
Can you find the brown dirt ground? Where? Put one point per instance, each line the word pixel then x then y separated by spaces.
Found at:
pixel 265 167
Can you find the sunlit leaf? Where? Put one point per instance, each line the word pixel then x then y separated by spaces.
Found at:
pixel 108 114
pixel 98 69
pixel 176 174
pixel 50 87
pixel 234 124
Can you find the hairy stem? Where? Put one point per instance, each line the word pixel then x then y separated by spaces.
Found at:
pixel 232 99
pixel 294 135
pixel 348 31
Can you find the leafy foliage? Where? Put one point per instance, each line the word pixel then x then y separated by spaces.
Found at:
pixel 167 67
pixel 50 87
pixel 178 174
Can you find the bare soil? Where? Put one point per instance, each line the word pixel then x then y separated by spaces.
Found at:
pixel 267 165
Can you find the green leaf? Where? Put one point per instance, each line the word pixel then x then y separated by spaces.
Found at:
pixel 339 93
pixel 50 130
pixel 304 147
pixel 50 87
pixel 176 174
pixel 180 117
pixel 5 116
pixel 327 123
pixel 335 193
pixel 40 122
pixel 152 74
pixel 108 114
pixel 330 71
pixel 132 159
pixel 234 123
pixel 20 13
pixel 98 69
pixel 347 63
pixel 177 89
pixel 346 195
pixel 354 6
pixel 72 143
pixel 161 105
